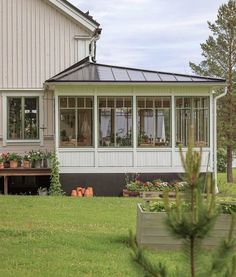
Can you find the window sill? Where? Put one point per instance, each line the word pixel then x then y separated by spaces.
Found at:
pixel 22 141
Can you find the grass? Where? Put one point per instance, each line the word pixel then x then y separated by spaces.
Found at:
pixel 224 187
pixel 63 236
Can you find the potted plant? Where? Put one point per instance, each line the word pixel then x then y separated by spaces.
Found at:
pixel 36 158
pixel 14 158
pixel 47 159
pixel 42 191
pixel 1 162
pixel 26 161
pixel 5 160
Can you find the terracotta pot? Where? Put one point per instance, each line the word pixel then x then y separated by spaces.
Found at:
pixel 74 193
pixel 1 165
pixel 26 164
pixel 89 192
pixel 13 164
pixel 79 193
pixel 83 190
pixel 79 189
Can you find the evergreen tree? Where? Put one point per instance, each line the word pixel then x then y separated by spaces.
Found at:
pixel 192 220
pixel 219 52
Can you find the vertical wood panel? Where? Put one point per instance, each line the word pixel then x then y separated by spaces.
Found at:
pixel 36 42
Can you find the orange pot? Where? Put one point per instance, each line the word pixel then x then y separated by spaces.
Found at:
pixel 79 194
pixel 13 164
pixel 1 164
pixel 89 192
pixel 83 190
pixel 74 193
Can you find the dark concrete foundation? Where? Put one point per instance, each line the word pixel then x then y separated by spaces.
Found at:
pixel 108 184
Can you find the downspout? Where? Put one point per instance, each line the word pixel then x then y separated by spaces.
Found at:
pixel 215 138
pixel 92 44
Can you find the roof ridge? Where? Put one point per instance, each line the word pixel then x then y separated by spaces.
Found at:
pixel 89 17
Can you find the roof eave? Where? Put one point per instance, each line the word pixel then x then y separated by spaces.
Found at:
pixel 72 11
pixel 177 83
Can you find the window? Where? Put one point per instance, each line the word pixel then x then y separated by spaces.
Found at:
pixel 115 121
pixel 76 121
pixel 154 121
pixel 22 118
pixel 192 111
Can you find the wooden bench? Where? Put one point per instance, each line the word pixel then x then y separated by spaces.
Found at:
pixel 20 171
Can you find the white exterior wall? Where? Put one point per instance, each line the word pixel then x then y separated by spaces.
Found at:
pixel 37 41
pixel 133 159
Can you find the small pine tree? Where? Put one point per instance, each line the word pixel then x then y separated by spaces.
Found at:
pixel 192 220
pixel 55 185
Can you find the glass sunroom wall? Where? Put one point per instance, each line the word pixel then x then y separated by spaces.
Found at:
pixel 115 122
pixel 192 111
pixel 154 121
pixel 76 123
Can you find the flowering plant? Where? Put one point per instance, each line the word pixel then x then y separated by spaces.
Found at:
pixel 36 155
pixel 5 157
pixel 27 157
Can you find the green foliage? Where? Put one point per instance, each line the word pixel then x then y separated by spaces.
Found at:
pixel 221 160
pixel 55 185
pixel 14 157
pixel 219 53
pixel 139 256
pixel 192 219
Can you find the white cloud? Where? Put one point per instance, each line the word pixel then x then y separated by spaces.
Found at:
pixel 157 34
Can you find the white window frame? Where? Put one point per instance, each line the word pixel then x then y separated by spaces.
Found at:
pixel 27 93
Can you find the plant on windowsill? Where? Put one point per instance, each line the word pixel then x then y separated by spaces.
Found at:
pixel 14 159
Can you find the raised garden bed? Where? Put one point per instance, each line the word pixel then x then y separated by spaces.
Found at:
pixel 152 232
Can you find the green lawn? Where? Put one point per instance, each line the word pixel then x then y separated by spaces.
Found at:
pixel 224 187
pixel 64 236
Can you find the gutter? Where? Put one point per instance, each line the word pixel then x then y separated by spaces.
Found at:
pixel 215 137
pixel 92 44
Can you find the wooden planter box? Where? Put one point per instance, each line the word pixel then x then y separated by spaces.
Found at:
pixel 151 231
pixel 127 193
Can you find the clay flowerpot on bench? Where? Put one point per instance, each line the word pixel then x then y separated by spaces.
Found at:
pixel 14 159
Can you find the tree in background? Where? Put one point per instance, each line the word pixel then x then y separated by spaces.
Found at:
pixel 219 52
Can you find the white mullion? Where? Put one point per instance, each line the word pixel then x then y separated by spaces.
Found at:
pixel 135 134
pixel 173 129
pixel 23 117
pixel 96 130
pixel 56 122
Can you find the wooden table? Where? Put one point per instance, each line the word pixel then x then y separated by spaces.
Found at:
pixel 20 171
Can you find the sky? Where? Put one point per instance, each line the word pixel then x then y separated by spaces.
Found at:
pixel 162 35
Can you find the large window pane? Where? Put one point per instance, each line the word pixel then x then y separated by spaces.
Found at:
pixel 115 121
pixel 31 118
pixel 85 124
pixel 192 111
pixel 76 121
pixel 67 127
pixel 23 118
pixel 154 121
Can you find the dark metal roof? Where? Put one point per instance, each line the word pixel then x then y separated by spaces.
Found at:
pixel 88 71
pixel 89 17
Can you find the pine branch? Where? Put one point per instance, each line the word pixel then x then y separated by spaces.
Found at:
pixel 140 257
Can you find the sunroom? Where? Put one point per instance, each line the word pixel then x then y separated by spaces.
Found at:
pixel 114 120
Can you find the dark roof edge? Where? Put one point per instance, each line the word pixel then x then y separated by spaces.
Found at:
pixel 135 82
pixel 80 12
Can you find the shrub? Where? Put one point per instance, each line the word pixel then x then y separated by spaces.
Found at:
pixel 221 160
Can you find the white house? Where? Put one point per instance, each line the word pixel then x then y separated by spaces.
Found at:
pixel 103 120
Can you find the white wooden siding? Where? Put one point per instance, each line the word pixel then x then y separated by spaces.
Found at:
pixel 36 42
